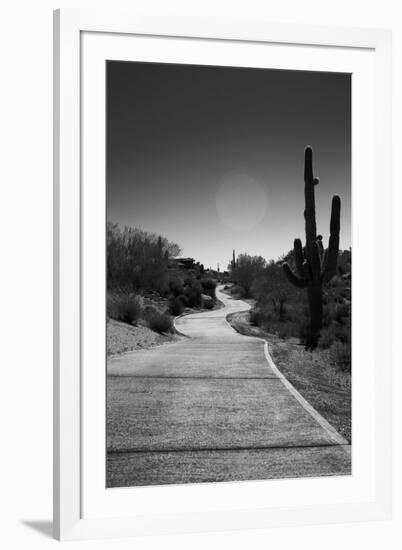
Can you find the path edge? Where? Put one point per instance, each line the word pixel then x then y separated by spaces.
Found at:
pixel 333 434
pixel 329 429
pixel 326 426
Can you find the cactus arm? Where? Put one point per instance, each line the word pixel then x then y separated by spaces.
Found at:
pixel 309 212
pixel 331 261
pixel 292 278
pixel 320 247
pixel 329 268
pixel 335 223
pixel 299 258
pixel 308 164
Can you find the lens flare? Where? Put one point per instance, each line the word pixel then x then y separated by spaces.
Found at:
pixel 241 201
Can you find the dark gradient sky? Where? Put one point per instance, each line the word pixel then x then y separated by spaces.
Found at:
pixel 212 157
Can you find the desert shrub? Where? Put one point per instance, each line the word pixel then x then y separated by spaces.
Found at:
pixel 208 287
pixel 335 311
pixel 248 269
pixel 337 291
pixel 160 322
pixel 288 329
pixel 110 313
pixel 137 259
pixel 340 356
pixel 327 338
pixel 336 281
pixel 193 297
pixel 345 262
pixel 343 332
pixel 176 306
pixel 184 300
pixel 237 291
pixel 271 287
pixel 176 286
pixel 342 312
pixel 304 331
pixel 267 318
pixel 208 304
pixel 149 311
pixel 256 317
pixel 162 285
pixel 127 309
pixel 193 293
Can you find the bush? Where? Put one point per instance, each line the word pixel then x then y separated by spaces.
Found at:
pixel 304 332
pixel 208 287
pixel 163 287
pixel 125 309
pixel 193 297
pixel 256 317
pixel 334 311
pixel 176 286
pixel 247 270
pixel 342 313
pixel 340 356
pixel 137 259
pixel 160 322
pixel 176 306
pixel 327 337
pixel 237 291
pixel 209 304
pixel 148 311
pixel 193 293
pixel 184 300
pixel 288 329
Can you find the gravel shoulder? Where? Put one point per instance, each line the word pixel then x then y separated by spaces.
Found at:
pixel 122 338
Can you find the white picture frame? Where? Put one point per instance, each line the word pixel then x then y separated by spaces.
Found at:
pixel 83 508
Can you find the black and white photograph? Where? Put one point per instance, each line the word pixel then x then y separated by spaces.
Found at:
pixel 229 254
pixel 198 362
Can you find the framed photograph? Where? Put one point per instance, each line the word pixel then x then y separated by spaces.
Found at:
pixel 219 364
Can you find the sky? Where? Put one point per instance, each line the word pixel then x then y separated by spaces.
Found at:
pixel 212 157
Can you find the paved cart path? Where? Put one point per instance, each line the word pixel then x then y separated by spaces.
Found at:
pixel 212 407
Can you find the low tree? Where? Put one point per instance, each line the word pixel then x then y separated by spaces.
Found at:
pixel 137 259
pixel 208 287
pixel 271 287
pixel 247 270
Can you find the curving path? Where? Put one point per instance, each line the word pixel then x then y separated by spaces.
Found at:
pixel 212 407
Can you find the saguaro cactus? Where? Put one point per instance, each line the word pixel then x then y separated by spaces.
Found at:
pixel 314 267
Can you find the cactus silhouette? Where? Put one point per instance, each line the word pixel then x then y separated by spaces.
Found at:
pixel 159 245
pixel 314 267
